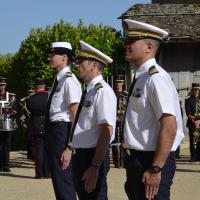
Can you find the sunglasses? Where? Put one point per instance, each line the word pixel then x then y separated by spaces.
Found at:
pixel 129 41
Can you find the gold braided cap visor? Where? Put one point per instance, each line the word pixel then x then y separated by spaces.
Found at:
pixel 89 54
pixel 144 34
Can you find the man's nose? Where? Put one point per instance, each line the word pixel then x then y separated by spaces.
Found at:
pixel 77 65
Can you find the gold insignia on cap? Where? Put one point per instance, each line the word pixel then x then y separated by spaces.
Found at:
pixel 89 54
pixel 69 74
pixel 141 30
pixel 152 70
pixel 144 34
pixel 98 86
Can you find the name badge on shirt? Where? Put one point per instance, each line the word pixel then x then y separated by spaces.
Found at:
pixel 137 93
pixel 86 103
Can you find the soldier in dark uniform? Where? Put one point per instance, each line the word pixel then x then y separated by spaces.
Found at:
pixel 24 121
pixel 36 104
pixel 192 109
pixel 121 103
pixel 8 110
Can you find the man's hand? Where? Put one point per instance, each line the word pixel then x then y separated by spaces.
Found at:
pixel 151 182
pixel 90 177
pixel 66 158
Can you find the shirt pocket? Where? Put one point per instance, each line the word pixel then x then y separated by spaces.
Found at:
pixel 56 102
pixel 138 104
pixel 87 117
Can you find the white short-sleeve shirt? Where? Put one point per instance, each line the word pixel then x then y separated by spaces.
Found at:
pixel 68 91
pixel 99 107
pixel 152 96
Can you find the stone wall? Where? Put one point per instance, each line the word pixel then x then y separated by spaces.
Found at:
pixel 179 26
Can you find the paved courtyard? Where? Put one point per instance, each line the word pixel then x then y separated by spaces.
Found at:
pixel 20 184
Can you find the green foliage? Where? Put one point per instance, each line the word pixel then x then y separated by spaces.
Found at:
pixel 31 60
pixel 5 64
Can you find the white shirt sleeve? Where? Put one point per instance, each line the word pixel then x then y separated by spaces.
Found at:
pixel 72 91
pixel 161 96
pixel 106 107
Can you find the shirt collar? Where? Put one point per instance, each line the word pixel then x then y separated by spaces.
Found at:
pixel 63 72
pixel 93 82
pixel 145 67
pixel 40 91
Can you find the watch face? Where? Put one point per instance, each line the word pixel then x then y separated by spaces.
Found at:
pixel 155 169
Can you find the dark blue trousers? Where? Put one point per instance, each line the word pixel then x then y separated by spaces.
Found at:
pixel 40 157
pixel 62 179
pixel 81 162
pixel 136 164
pixel 5 139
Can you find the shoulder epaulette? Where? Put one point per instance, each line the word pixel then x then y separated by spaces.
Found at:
pixel 187 97
pixel 13 94
pixel 124 94
pixel 152 70
pixel 98 86
pixel 23 99
pixel 69 74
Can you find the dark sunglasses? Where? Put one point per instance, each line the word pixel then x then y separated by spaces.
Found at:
pixel 129 41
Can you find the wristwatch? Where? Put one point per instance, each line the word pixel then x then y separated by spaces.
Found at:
pixel 69 147
pixel 155 169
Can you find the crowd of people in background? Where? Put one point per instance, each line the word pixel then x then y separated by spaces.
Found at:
pixel 70 130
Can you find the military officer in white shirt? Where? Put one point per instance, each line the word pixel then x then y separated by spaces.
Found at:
pixel 95 127
pixel 153 123
pixel 62 105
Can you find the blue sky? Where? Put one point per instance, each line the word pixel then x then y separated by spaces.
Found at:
pixel 17 17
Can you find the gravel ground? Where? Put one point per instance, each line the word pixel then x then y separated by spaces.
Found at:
pixel 19 184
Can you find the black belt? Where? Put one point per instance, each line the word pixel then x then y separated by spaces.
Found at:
pixel 137 152
pixel 59 123
pixel 38 116
pixel 81 150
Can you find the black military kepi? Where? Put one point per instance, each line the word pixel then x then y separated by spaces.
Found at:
pixel 119 78
pixel 3 80
pixel 195 86
pixel 40 81
pixel 61 48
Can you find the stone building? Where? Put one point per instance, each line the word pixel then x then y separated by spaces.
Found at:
pixel 180 54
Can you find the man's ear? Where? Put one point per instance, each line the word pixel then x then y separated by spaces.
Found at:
pixel 65 57
pixel 94 64
pixel 149 47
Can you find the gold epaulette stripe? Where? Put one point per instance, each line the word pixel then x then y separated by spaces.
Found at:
pixel 12 94
pixel 23 99
pixel 69 74
pixel 125 92
pixel 152 70
pixel 98 86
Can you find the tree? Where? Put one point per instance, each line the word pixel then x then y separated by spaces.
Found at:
pixel 31 60
pixel 6 63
